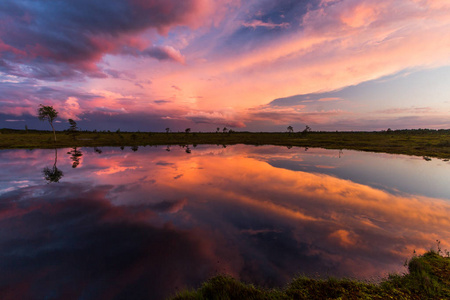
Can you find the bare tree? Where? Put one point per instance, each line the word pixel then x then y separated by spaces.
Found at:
pixel 48 113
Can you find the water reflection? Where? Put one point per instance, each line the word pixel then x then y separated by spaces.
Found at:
pixel 139 225
pixel 75 156
pixel 98 150
pixel 53 174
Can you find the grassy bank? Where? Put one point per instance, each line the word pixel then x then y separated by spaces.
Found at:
pixel 433 143
pixel 428 278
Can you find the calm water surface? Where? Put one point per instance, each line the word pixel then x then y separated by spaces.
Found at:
pixel 143 223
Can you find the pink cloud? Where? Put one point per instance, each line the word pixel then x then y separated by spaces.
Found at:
pixel 407 110
pixel 330 99
pixel 94 30
pixel 325 54
pixel 258 23
pixel 333 45
pixel 224 118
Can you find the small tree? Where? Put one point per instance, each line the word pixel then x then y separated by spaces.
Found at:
pixel 187 130
pixel 167 130
pixel 307 129
pixel 225 130
pixel 48 113
pixel 290 129
pixel 73 129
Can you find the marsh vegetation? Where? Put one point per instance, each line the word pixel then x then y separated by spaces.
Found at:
pixel 421 142
pixel 428 277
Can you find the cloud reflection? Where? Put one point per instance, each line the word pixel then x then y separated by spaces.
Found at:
pixel 166 220
pixel 70 242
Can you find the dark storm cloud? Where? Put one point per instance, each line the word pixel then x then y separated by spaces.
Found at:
pixel 60 39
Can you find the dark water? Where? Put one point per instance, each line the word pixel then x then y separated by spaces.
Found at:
pixel 122 224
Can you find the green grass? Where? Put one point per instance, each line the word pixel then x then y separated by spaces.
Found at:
pixel 432 143
pixel 428 278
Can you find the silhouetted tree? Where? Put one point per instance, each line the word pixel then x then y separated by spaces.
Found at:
pixel 49 114
pixel 290 129
pixel 73 125
pixel 53 174
pixel 218 129
pixel 307 129
pixel 135 148
pixel 225 130
pixel 167 130
pixel 73 129
pixel 187 130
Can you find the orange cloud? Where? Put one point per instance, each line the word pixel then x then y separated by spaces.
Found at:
pixel 327 54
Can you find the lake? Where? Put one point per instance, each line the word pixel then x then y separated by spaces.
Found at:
pixel 142 223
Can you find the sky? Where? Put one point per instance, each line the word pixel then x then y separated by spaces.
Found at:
pixel 255 65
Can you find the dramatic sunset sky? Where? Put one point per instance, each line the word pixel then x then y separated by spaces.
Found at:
pixel 257 65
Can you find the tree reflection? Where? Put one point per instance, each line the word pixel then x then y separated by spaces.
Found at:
pixel 75 156
pixel 97 150
pixel 53 174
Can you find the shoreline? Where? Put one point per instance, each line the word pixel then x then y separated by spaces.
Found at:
pixel 428 277
pixel 426 143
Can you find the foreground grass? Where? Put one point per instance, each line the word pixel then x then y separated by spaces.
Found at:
pixel 433 143
pixel 428 278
